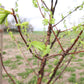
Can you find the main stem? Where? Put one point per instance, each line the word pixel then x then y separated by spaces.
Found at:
pixel 48 34
pixel 43 62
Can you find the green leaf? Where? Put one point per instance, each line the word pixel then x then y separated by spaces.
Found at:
pixel 45 21
pixel 35 3
pixel 62 16
pixel 72 40
pixel 50 75
pixel 0 4
pixel 22 24
pixel 60 51
pixel 11 34
pixel 70 12
pixel 52 21
pixel 16 10
pixel 3 15
pixel 6 22
pixel 46 51
pixel 8 29
pixel 74 28
pixel 39 45
pixel 82 42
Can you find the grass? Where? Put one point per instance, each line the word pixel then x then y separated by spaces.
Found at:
pixel 7 62
pixel 10 45
pixel 78 60
pixel 70 69
pixel 72 78
pixel 78 67
pixel 82 73
pixel 4 52
pixel 81 78
pixel 18 57
pixel 81 54
pixel 82 64
pixel 13 64
pixel 25 74
pixel 19 63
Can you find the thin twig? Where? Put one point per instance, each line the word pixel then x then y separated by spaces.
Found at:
pixel 67 15
pixel 66 65
pixel 55 4
pixel 23 37
pixel 62 70
pixel 74 41
pixel 45 4
pixel 52 56
pixel 58 40
pixel 56 68
pixel 40 9
pixel 6 70
pixel 63 56
pixel 25 57
pixel 58 32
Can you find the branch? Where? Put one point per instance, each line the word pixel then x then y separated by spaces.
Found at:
pixel 45 4
pixel 26 58
pixel 66 30
pixel 66 65
pixel 22 35
pixel 62 70
pixel 51 56
pixel 52 6
pixel 76 52
pixel 6 70
pixel 74 41
pixel 56 68
pixel 72 28
pixel 67 15
pixel 40 9
pixel 55 4
pixel 55 39
pixel 58 40
pixel 41 71
pixel 63 56
pixel 61 59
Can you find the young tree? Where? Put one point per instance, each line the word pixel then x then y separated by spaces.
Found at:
pixel 41 50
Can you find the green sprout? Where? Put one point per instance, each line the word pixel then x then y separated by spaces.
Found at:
pixel 3 15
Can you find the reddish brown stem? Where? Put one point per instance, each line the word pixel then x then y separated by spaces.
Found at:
pixel 64 54
pixel 55 4
pixel 67 15
pixel 62 70
pixel 58 40
pixel 40 9
pixel 54 39
pixel 41 72
pixel 74 41
pixel 26 58
pixel 48 35
pixel 22 35
pixel 76 52
pixel 45 4
pixel 55 70
pixel 52 56
pixel 6 70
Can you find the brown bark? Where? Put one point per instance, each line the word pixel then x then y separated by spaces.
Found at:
pixel 48 35
pixel 41 72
